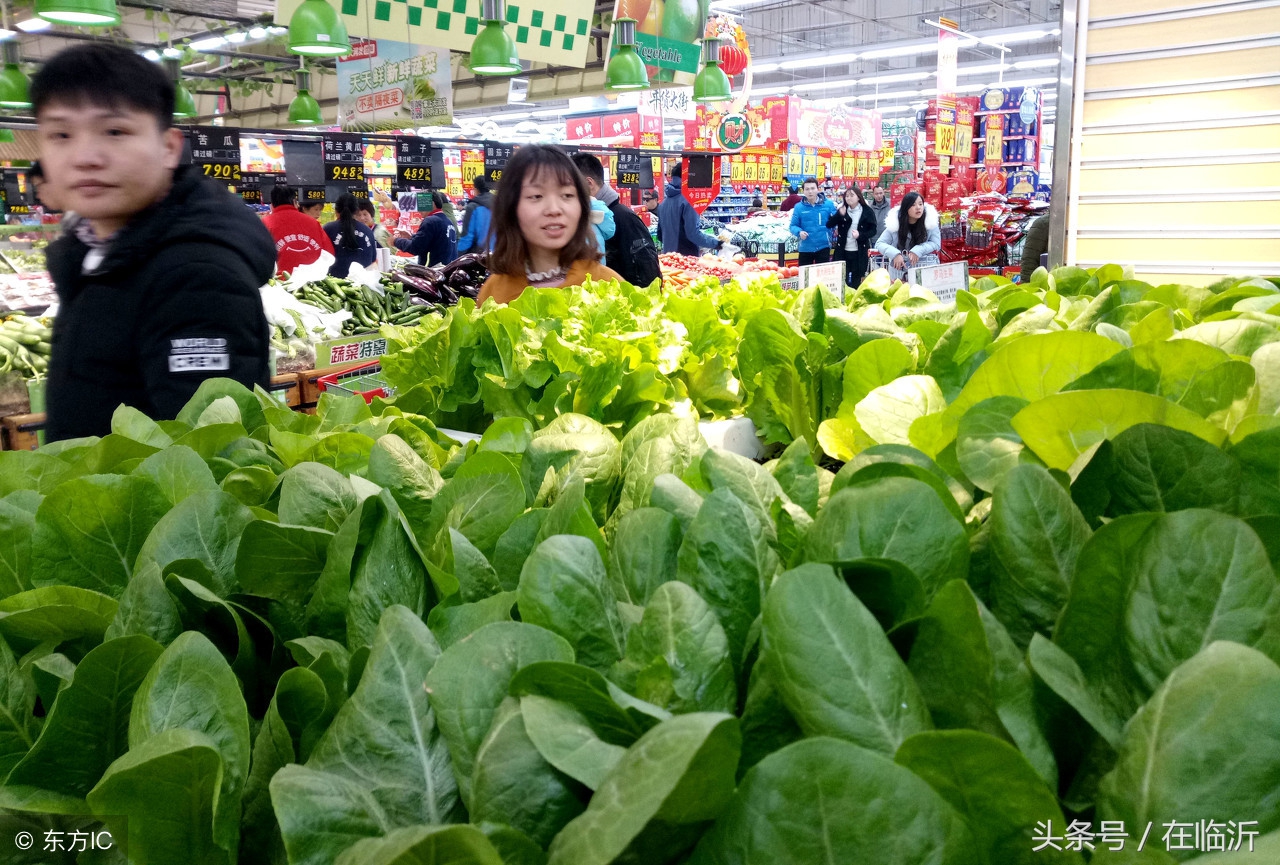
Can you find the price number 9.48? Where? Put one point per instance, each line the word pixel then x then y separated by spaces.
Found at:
pixel 222 172
pixel 629 178
pixel 346 172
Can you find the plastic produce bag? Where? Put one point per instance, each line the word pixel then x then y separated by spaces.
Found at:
pixel 298 319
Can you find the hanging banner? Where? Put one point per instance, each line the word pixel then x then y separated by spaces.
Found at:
pixel 674 103
pixel 838 128
pixel 965 107
pixel 387 85
pixel 762 125
pixel 557 32
pixel 668 37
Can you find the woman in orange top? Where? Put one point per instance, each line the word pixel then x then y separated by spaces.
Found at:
pixel 542 227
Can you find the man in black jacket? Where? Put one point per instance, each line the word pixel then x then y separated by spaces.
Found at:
pixel 631 251
pixel 436 241
pixel 158 283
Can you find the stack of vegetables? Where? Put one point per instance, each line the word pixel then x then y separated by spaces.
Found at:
pixel 369 308
pixel 260 636
pixel 890 365
pixel 25 345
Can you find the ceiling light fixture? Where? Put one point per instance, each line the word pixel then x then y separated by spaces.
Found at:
pixel 1036 64
pixel 316 28
pixel 33 25
pixel 14 85
pixel 494 52
pixel 626 70
pixel 814 62
pixel 304 110
pixel 208 44
pixel 81 13
pixel 711 85
pixel 897 78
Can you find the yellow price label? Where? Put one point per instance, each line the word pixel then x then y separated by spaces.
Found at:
pixel 629 178
pixel 964 141
pixel 795 162
pixel 471 170
pixel 455 188
pixel 776 171
pixel 945 140
pixel 737 171
pixel 411 173
pixel 749 172
pixel 346 172
pixel 222 172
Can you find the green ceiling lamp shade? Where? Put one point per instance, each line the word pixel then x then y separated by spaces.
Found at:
pixel 184 103
pixel 626 69
pixel 82 13
pixel 711 85
pixel 304 110
pixel 7 136
pixel 494 51
pixel 14 86
pixel 316 29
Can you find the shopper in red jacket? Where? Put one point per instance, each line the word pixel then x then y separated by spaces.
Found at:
pixel 299 238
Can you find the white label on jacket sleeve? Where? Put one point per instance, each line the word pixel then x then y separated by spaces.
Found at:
pixel 198 354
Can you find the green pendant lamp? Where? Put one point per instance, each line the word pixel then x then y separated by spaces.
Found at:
pixel 493 52
pixel 304 110
pixel 14 86
pixel 7 136
pixel 83 13
pixel 711 85
pixel 184 102
pixel 626 69
pixel 316 29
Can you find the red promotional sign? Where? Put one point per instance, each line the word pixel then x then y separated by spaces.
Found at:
pixel 579 128
pixel 701 197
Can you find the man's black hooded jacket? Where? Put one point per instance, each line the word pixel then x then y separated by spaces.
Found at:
pixel 175 301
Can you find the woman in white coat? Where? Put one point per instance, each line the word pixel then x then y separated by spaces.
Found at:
pixel 912 236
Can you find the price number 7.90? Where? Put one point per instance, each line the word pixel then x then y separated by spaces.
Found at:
pixel 222 172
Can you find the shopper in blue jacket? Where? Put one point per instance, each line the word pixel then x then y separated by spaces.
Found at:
pixel 436 241
pixel 809 223
pixel 678 222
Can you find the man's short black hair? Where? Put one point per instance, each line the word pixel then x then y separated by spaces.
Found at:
pixel 481 183
pixel 590 166
pixel 282 194
pixel 677 170
pixel 105 75
pixel 438 199
pixel 809 180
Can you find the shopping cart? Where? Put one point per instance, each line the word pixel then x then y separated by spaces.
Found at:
pixel 365 380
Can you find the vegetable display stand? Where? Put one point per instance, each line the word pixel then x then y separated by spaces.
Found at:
pixel 287 389
pixel 21 431
pixel 364 380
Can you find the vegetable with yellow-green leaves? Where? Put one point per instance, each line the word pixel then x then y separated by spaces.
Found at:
pixel 25 345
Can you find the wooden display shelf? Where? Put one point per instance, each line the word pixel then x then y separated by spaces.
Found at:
pixel 288 388
pixel 20 431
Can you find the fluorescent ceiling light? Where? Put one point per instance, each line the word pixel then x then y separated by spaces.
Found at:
pixel 823 85
pixel 152 55
pixel 813 62
pixel 208 44
pixel 867 97
pixel 762 68
pixel 172 52
pixel 900 51
pixel 892 108
pixel 894 79
pixel 1030 82
pixel 983 70
pixel 547 112
pixel 33 25
pixel 1036 64
pixel 237 37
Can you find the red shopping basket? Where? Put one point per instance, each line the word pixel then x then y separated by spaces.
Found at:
pixel 365 380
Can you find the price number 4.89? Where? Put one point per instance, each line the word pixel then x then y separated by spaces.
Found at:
pixel 417 174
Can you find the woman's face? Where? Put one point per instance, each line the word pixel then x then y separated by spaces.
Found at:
pixel 850 198
pixel 549 211
pixel 365 218
pixel 917 210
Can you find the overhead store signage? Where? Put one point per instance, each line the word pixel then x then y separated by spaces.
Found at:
pixel 668 37
pixel 215 151
pixel 674 103
pixel 343 158
pixel 634 170
pixel 556 32
pixel 419 164
pixel 495 160
pixel 251 188
pixel 385 85
pixel 838 128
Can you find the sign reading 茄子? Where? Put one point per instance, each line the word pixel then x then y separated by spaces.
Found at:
pixel 386 85
pixel 556 32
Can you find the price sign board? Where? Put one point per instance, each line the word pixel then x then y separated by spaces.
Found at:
pixel 944 280
pixel 634 171
pixel 777 170
pixel 737 169
pixel 749 171
pixel 311 195
pixel 215 151
pixel 830 274
pixel 343 158
pixel 994 142
pixel 418 164
pixel 495 160
pixel 251 188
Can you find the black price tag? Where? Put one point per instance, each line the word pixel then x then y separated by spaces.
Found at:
pixel 251 188
pixel 343 158
pixel 418 164
pixel 701 172
pixel 311 194
pixel 359 191
pixel 634 171
pixel 495 160
pixel 215 152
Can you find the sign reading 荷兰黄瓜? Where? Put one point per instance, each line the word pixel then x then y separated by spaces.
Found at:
pixel 343 158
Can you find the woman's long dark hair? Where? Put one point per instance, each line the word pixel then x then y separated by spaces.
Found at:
pixel 510 252
pixel 346 209
pixel 911 235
